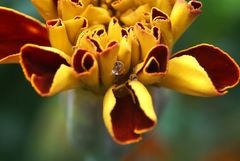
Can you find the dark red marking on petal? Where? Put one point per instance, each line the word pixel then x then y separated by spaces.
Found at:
pixel 42 65
pixel 96 44
pixel 220 67
pixel 55 2
pixel 84 23
pixel 77 2
pixel 161 54
pixel 43 83
pixel 54 22
pixel 100 32
pixel 124 33
pixel 87 64
pixel 195 6
pixel 156 13
pixel 153 67
pixel 141 26
pixel 112 44
pixel 127 116
pixel 17 29
pixel 156 33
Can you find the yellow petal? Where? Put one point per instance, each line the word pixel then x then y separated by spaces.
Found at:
pixel 114 30
pixel 58 36
pixel 202 70
pixel 141 2
pixel 47 69
pixel 165 5
pixel 128 112
pixel 187 76
pixel 84 41
pixel 182 16
pixel 131 17
pixel 69 9
pixel 101 16
pixel 46 8
pixel 64 79
pixel 123 5
pixel 124 54
pixel 135 48
pixel 144 35
pixel 107 59
pixel 86 68
pixel 154 66
pixel 100 35
pixel 162 21
pixel 74 27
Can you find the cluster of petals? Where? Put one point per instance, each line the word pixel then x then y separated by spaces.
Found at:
pixel 116 48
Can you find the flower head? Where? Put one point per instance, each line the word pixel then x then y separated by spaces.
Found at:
pixel 116 47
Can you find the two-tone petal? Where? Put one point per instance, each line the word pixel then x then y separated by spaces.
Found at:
pixel 202 70
pixel 58 36
pixel 183 15
pixel 17 29
pixel 162 21
pixel 128 112
pixel 86 68
pixel 48 69
pixel 154 66
pixel 143 35
pixel 74 27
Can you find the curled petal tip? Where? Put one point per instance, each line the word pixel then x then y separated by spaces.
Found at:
pixel 86 68
pixel 154 66
pixel 12 38
pixel 203 70
pixel 128 112
pixel 47 69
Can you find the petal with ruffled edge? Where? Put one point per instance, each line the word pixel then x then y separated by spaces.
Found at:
pixel 143 34
pixel 183 15
pixel 74 27
pixel 114 30
pixel 128 112
pixel 17 29
pixel 58 36
pixel 86 67
pixel 162 21
pixel 48 69
pixel 154 66
pixel 203 70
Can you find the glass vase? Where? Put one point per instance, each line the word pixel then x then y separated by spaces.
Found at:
pixel 86 129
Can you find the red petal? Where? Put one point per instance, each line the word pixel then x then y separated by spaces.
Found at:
pixel 17 29
pixel 81 65
pixel 161 54
pixel 221 68
pixel 128 117
pixel 40 66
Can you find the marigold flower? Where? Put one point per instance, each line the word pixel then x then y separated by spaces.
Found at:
pixel 116 47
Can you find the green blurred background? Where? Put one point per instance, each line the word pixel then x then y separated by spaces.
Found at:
pixel 33 128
